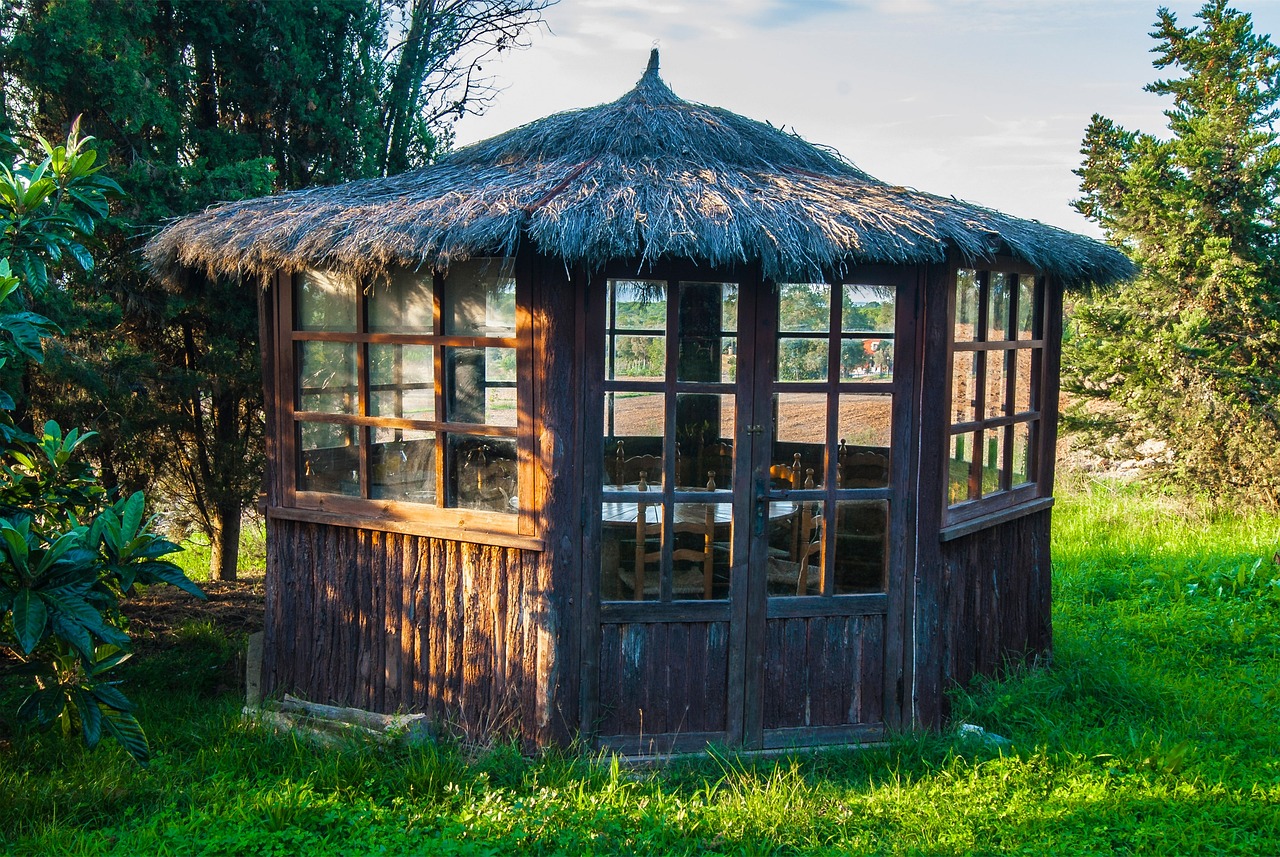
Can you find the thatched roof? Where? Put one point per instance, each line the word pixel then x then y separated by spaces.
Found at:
pixel 646 177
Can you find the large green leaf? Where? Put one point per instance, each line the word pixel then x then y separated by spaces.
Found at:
pixel 90 717
pixel 167 572
pixel 30 618
pixel 124 727
pixel 43 706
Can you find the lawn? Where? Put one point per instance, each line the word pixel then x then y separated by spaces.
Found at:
pixel 1156 730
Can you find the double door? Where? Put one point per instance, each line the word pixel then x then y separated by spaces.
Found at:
pixel 746 565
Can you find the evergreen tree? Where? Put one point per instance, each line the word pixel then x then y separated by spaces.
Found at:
pixel 1189 353
pixel 196 102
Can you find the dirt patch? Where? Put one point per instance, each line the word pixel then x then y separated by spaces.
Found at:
pixel 157 614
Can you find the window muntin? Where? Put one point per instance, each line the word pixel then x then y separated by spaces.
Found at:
pixel 997 355
pixel 406 391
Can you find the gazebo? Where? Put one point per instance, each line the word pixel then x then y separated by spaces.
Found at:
pixel 653 425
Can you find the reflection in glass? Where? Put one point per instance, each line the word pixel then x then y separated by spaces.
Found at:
pixel 637 358
pixel 866 360
pixel 802 359
pixel 795 547
pixel 324 300
pixel 403 464
pixel 327 377
pixel 996 391
pixel 481 473
pixel 804 307
pixel 862 546
pixel 1027 309
pixel 328 458
pixel 966 329
pixel 480 298
pixel 402 381
pixel 964 392
pixel 637 305
pixel 800 439
pixel 704 450
pixel 993 460
pixel 961 485
pixel 403 303
pixel 1022 380
pixel 1023 460
pixel 634 427
pixel 473 379
pixel 729 307
pixel 868 308
pixel 999 288
pixel 865 420
pixel 861 467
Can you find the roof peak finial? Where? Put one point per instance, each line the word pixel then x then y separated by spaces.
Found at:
pixel 652 68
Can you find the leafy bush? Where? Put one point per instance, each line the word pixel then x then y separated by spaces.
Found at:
pixel 68 552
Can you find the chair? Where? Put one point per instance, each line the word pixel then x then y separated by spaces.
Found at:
pixel 688 583
pixel 630 471
pixel 716 460
pixel 861 469
pixel 806 541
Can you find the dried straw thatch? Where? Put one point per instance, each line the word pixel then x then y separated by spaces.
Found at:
pixel 647 177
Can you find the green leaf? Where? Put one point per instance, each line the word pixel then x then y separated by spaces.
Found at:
pixel 90 717
pixel 108 694
pixel 73 633
pixel 167 572
pixel 124 728
pixel 43 706
pixel 131 516
pixel 30 617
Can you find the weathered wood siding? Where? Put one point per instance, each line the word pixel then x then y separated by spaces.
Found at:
pixel 391 622
pixel 824 671
pixel 995 598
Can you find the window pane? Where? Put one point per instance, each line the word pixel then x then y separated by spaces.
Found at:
pixel 729 307
pixel 800 437
pixel 404 465
pixel 998 293
pixel 702 535
pixel 328 458
pixel 402 304
pixel 804 307
pixel 637 358
pixel 1027 315
pixel 402 381
pixel 992 460
pixel 481 473
pixel 325 301
pixel 630 551
pixel 865 421
pixel 1023 457
pixel 327 377
pixel 478 385
pixel 862 466
pixel 637 305
pixel 963 387
pixel 634 427
pixel 794 565
pixel 966 329
pixel 862 546
pixel 866 360
pixel 1022 398
pixel 802 359
pixel 868 308
pixel 480 298
pixel 960 484
pixel 704 440
pixel 996 391
pixel 701 319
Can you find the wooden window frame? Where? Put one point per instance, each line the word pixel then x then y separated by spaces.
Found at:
pixel 448 522
pixel 1007 501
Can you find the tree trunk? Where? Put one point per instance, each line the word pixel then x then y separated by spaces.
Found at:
pixel 224 543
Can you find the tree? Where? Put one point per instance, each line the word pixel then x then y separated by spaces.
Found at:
pixel 1189 353
pixel 202 102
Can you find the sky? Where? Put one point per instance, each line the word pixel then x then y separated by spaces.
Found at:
pixel 984 100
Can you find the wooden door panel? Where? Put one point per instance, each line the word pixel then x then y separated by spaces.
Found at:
pixel 824 671
pixel 663 679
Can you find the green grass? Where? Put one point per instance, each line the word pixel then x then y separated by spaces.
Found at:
pixel 1156 730
pixel 194 558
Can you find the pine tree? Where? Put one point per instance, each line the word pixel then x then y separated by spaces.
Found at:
pixel 1189 353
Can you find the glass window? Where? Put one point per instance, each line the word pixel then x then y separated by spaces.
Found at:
pixel 995 400
pixel 409 416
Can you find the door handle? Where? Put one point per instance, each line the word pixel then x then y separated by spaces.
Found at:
pixel 762 503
